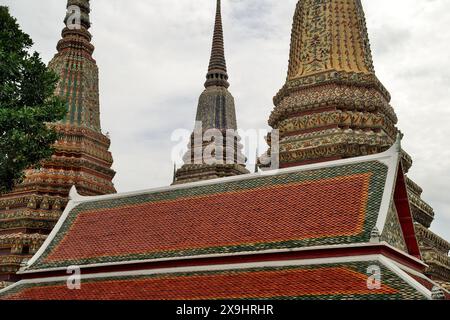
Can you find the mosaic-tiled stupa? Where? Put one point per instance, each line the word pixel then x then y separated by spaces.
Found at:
pixel 81 158
pixel 333 106
pixel 309 231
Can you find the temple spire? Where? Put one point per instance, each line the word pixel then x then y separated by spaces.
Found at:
pixel 75 34
pixel 81 161
pixel 215 113
pixel 332 105
pixel 329 36
pixel 77 69
pixel 217 71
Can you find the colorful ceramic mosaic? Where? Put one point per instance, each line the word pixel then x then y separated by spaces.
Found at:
pixel 333 106
pixel 81 157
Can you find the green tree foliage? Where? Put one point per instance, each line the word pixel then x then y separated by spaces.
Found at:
pixel 27 104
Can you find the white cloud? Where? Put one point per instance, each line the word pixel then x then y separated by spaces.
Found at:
pixel 153 57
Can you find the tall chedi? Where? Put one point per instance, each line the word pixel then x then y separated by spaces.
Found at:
pixel 216 123
pixel 81 155
pixel 333 106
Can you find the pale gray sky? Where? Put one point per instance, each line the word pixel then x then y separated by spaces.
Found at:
pixel 153 56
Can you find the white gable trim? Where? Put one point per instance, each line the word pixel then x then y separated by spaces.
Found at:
pixel 75 200
pixel 404 276
pixel 393 163
pixel 418 274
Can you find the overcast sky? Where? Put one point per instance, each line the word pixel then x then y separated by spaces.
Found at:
pixel 153 56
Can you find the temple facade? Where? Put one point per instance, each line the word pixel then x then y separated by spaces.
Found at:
pixel 340 211
pixel 333 106
pixel 342 230
pixel 81 158
pixel 214 150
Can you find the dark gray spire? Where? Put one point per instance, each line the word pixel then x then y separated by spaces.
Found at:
pixel 217 71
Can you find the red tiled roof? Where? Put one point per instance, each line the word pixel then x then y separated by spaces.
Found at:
pixel 272 214
pixel 309 208
pixel 326 282
pixel 317 206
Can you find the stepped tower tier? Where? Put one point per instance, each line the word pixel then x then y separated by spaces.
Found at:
pixel 81 155
pixel 333 106
pixel 216 116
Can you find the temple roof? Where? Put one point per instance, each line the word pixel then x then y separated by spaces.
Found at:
pixel 324 279
pixel 313 231
pixel 336 203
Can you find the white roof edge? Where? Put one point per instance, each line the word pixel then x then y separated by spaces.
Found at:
pixel 418 274
pixel 394 267
pixel 225 255
pixel 236 266
pixel 388 157
pixel 70 206
pixel 243 266
pixel 405 254
pixel 206 256
pixel 11 286
pixel 384 157
pixel 392 161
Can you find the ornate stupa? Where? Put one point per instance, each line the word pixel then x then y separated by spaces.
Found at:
pixel 324 231
pixel 216 119
pixel 333 106
pixel 81 158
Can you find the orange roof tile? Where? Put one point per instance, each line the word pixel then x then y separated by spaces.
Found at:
pixel 319 207
pixel 347 280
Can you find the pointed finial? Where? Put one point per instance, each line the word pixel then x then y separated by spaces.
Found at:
pixel 174 172
pixel 217 71
pixel 73 194
pixel 437 293
pixel 375 235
